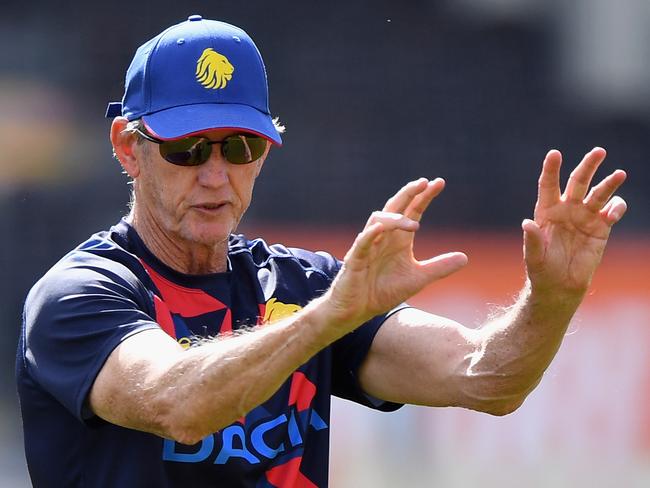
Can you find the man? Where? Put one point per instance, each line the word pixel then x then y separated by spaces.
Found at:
pixel 112 394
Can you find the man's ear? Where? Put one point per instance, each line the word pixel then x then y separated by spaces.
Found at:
pixel 124 147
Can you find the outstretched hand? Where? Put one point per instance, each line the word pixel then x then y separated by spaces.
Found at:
pixel 380 271
pixel 565 242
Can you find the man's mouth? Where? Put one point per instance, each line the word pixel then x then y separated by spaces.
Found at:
pixel 209 206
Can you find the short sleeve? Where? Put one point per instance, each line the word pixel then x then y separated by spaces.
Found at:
pixel 349 352
pixel 74 317
pixel 347 355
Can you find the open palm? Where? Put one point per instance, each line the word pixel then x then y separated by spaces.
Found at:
pixel 565 242
pixel 380 270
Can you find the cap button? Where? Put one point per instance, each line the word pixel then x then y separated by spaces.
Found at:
pixel 194 18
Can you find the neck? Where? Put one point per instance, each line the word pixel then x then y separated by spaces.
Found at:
pixel 177 252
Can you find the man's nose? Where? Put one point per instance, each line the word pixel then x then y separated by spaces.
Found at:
pixel 214 172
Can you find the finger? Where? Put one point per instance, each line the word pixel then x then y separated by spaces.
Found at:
pixel 405 195
pixel 581 176
pixel 362 245
pixel 421 202
pixel 534 248
pixel 393 221
pixel 548 189
pixel 603 191
pixel 443 265
pixel 614 210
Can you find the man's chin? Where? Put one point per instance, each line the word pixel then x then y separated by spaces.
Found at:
pixel 208 235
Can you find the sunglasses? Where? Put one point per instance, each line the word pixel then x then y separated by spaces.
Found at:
pixel 194 151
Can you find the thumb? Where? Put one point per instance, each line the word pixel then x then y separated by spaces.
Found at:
pixel 443 265
pixel 533 244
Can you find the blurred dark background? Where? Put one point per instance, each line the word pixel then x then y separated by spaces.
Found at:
pixel 372 94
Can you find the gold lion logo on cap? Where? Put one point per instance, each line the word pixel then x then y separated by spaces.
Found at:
pixel 213 70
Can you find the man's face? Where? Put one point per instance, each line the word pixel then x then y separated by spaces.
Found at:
pixel 197 204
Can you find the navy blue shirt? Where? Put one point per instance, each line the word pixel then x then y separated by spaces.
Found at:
pixel 112 287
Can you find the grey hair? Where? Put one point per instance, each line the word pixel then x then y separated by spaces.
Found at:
pixel 132 126
pixel 278 126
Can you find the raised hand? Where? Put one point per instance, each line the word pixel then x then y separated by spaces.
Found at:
pixel 380 270
pixel 565 242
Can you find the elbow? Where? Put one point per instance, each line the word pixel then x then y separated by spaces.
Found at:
pixel 498 406
pixel 168 419
pixel 186 425
pixel 183 435
pixel 495 390
pixel 495 394
pixel 502 407
pixel 182 429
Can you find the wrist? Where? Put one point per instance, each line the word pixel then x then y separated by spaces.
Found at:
pixel 326 321
pixel 553 296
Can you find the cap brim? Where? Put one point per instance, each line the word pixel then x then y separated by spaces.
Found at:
pixel 189 119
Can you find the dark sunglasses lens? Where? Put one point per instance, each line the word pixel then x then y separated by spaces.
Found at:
pixel 242 149
pixel 191 151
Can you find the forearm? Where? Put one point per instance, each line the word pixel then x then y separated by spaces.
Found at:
pixel 514 349
pixel 489 369
pixel 231 376
pixel 191 393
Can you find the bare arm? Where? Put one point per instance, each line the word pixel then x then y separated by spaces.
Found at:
pixel 424 359
pixel 150 383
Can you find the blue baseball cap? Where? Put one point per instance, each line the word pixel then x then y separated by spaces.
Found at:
pixel 196 76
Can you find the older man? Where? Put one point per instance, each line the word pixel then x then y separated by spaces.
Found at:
pixel 114 394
